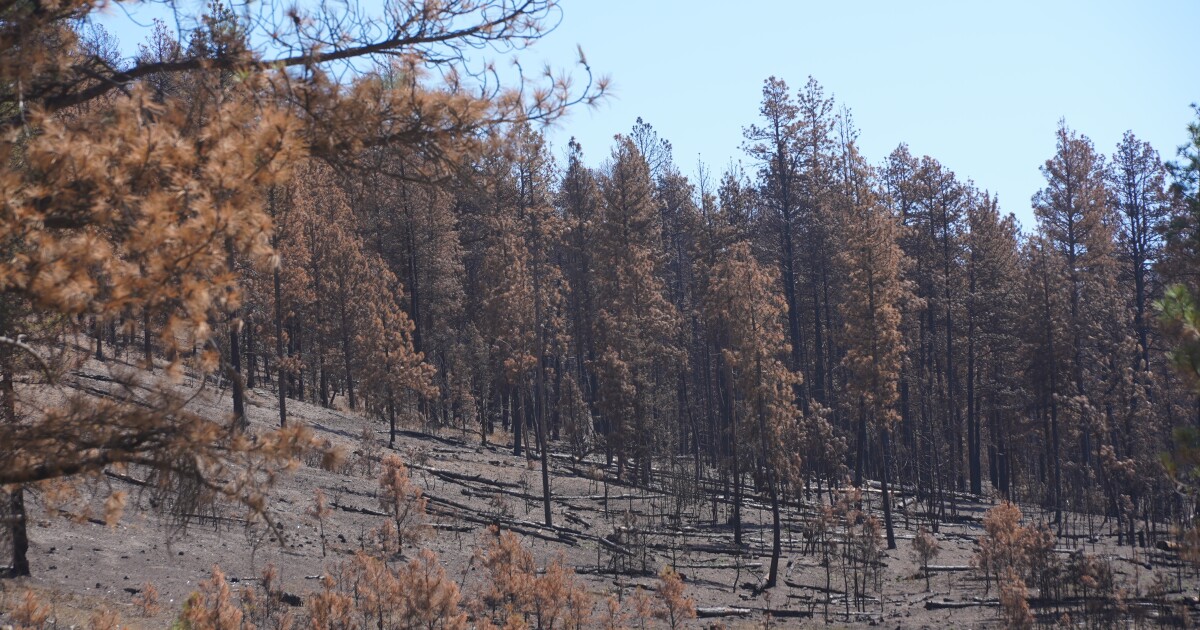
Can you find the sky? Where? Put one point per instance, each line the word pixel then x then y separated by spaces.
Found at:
pixel 979 86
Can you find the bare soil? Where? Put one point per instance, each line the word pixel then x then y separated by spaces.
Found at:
pixel 80 565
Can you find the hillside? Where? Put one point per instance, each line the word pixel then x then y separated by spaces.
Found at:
pixel 616 537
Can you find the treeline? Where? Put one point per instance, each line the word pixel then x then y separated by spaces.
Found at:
pixel 422 255
pixel 816 319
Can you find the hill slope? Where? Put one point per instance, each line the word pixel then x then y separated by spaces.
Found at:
pixel 616 536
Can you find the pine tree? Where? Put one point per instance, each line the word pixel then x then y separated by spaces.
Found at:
pixel 723 225
pixel 993 320
pixel 817 150
pixel 1046 352
pixel 932 205
pixel 1137 179
pixel 1077 223
pixel 635 323
pixel 750 315
pixel 522 287
pixel 774 146
pixel 875 291
pixel 126 195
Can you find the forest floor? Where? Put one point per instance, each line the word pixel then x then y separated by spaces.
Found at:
pixel 80 565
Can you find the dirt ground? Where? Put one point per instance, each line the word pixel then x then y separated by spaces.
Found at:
pixel 80 565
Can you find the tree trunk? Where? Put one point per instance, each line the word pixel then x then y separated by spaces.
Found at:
pixel 282 382
pixel 776 528
pixel 973 438
pixel 147 346
pixel 235 359
pixel 251 357
pixel 518 419
pixel 323 377
pixel 391 408
pixel 235 373
pixel 545 457
pixel 98 333
pixel 860 442
pixel 18 532
pixel 15 494
pixel 889 527
pixel 346 356
pixel 793 307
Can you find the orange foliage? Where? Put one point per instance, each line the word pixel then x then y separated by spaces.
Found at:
pixel 514 592
pixel 330 609
pixel 146 602
pixel 367 593
pixel 403 500
pixel 1014 601
pixel 212 606
pixel 31 612
pixel 104 619
pixel 674 607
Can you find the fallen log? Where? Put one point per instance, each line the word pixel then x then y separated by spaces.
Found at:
pixel 1045 602
pixel 786 613
pixel 529 528
pixel 420 435
pixel 576 520
pixel 455 477
pixel 725 565
pixel 123 477
pixel 505 524
pixel 450 527
pixel 358 510
pixel 705 612
pixel 954 605
pixel 611 497
pixel 731 550
pixel 610 571
pixel 488 493
pixel 819 589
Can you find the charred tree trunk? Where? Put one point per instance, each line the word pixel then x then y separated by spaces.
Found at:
pixel 98 333
pixel 888 525
pixel 973 438
pixel 793 307
pixel 15 495
pixel 518 419
pixel 147 346
pixel 281 381
pixel 773 485
pixel 347 357
pixel 251 357
pixel 391 409
pixel 860 442
pixel 238 386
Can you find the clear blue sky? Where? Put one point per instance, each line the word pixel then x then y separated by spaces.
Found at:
pixel 980 86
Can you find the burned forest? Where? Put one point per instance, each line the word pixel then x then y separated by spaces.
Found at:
pixel 308 319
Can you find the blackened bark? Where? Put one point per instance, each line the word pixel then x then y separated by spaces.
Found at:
pixel 15 499
pixel 889 527
pixel 282 378
pixel 147 347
